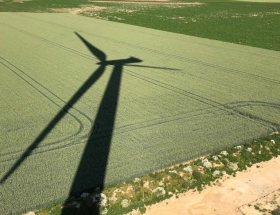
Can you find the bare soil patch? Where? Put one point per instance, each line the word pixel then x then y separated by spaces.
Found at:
pixel 254 191
pixel 78 10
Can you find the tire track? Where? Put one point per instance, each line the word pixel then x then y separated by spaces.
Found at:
pixel 133 45
pixel 203 99
pixel 102 134
pixel 185 59
pixel 128 128
pixel 81 125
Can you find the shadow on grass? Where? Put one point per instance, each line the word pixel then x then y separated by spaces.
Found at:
pixel 92 168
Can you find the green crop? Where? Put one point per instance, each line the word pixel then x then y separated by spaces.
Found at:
pixel 187 97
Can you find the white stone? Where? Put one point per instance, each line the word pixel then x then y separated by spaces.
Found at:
pixel 188 169
pixel 173 171
pixel 84 195
pixel 216 173
pixel 249 149
pixel 113 199
pixel 272 141
pixel 207 164
pixel 125 203
pixel 233 166
pixel 30 213
pixel 224 172
pixel 260 152
pixel 238 147
pixel 103 199
pixel 215 158
pixel 136 180
pixel 225 153
pixel 160 191
pixel 204 160
pixel 105 211
pixel 170 193
pixel 96 198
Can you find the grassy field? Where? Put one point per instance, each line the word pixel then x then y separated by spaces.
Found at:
pixel 189 96
pixel 248 23
pixel 174 105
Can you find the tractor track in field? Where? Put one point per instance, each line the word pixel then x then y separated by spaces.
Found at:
pixel 161 53
pixel 141 47
pixel 209 65
pixel 104 133
pixel 137 46
pixel 235 71
pixel 81 125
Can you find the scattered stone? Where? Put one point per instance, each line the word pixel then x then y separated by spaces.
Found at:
pixel 103 200
pixel 249 149
pixel 206 163
pixel 30 213
pixel 215 158
pixel 125 203
pixel 188 169
pixel 238 147
pixel 77 205
pixel 204 160
pixel 105 211
pixel 95 198
pixel 272 141
pixel 160 191
pixel 173 171
pixel 233 166
pixel 260 152
pixel 113 199
pixel 84 195
pixel 267 148
pixel 170 193
pixel 224 172
pixel 216 173
pixel 136 180
pixel 100 199
pixel 225 153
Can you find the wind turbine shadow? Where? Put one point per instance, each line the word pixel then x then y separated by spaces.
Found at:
pixel 58 117
pixel 92 168
pixel 91 171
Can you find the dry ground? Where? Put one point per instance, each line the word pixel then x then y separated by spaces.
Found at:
pixel 258 187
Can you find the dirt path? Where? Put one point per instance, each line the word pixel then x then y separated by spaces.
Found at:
pixel 256 189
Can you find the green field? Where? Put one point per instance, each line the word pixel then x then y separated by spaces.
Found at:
pixel 241 22
pixel 189 96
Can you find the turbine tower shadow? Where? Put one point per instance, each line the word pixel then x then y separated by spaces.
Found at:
pixel 92 168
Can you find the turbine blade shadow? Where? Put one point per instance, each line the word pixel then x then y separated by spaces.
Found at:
pixel 155 67
pixel 59 116
pixel 95 51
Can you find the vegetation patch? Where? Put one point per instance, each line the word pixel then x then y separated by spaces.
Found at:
pixel 187 177
pixel 247 23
